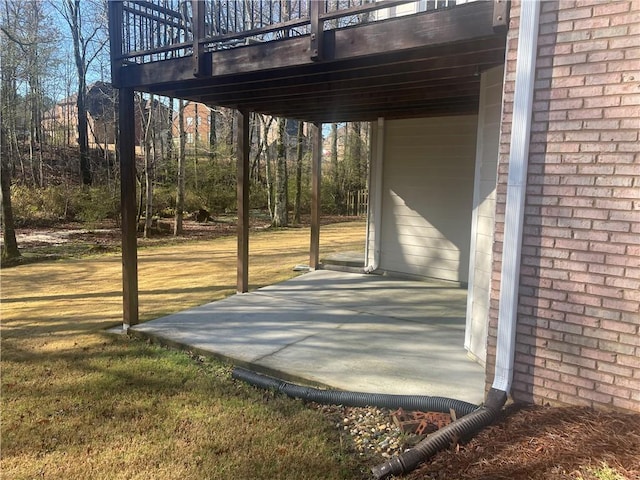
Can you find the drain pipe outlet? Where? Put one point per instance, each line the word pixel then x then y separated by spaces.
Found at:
pixel 356 399
pixel 375 181
pixel 461 429
pixel 439 440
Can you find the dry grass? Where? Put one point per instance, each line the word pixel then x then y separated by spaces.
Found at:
pixel 77 403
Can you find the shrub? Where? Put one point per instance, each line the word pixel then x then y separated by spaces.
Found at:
pixel 98 203
pixel 41 206
pixel 46 206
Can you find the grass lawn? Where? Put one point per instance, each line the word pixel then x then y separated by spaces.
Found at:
pixel 79 403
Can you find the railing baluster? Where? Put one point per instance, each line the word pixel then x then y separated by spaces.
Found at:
pixel 152 30
pixel 219 23
pixel 226 20
pixel 235 16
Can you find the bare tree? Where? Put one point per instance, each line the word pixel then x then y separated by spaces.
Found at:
pixel 338 202
pixel 261 144
pixel 149 143
pixel 196 119
pixel 87 29
pixel 178 228
pixel 8 96
pixel 280 213
pixel 299 152
pixel 212 134
pixel 267 163
pixel 27 55
pixel 33 50
pixel 10 61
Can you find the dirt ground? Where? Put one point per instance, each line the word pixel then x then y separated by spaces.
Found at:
pixel 76 239
pixel 550 443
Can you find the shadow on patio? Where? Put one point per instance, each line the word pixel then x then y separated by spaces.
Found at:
pixel 341 330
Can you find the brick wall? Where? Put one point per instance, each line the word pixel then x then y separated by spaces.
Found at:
pixel 578 338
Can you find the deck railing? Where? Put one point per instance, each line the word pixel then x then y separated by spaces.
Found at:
pixel 146 31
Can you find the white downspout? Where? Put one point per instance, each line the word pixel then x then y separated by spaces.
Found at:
pixel 375 188
pixel 516 189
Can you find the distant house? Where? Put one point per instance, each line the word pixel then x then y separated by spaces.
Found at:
pixel 61 122
pixel 197 124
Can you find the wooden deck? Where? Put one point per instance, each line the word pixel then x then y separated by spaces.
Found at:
pixel 420 64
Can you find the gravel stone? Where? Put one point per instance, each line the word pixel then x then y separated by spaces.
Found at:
pixel 371 429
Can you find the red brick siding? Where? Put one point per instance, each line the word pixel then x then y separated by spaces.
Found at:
pixel 578 337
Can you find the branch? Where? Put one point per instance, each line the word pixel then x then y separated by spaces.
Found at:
pixel 23 45
pixel 97 52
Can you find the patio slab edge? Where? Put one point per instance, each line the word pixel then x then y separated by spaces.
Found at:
pixel 156 339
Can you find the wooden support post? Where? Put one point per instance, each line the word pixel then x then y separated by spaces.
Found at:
pixel 317 29
pixel 316 160
pixel 242 161
pixel 127 154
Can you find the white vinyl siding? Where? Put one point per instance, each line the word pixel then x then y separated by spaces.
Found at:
pixel 484 205
pixel 427 196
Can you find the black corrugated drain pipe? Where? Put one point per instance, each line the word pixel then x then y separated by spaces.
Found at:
pixel 471 418
pixel 356 399
pixel 443 438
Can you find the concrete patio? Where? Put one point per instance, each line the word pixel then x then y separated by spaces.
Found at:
pixel 341 330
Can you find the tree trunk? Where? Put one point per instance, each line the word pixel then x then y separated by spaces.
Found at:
pixel 230 133
pixel 10 246
pixel 83 131
pixel 280 214
pixel 254 171
pixel 357 156
pixel 195 147
pixel 262 146
pixel 268 173
pixel 298 199
pixel 148 171
pixel 32 149
pixel 140 199
pixel 178 228
pixel 116 132
pixel 79 49
pixel 212 134
pixel 338 202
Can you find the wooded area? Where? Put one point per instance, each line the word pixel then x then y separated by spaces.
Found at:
pixel 59 136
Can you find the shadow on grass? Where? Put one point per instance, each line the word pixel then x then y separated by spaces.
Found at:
pixel 123 389
pixel 79 296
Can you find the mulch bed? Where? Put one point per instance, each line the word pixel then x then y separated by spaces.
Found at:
pixel 538 442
